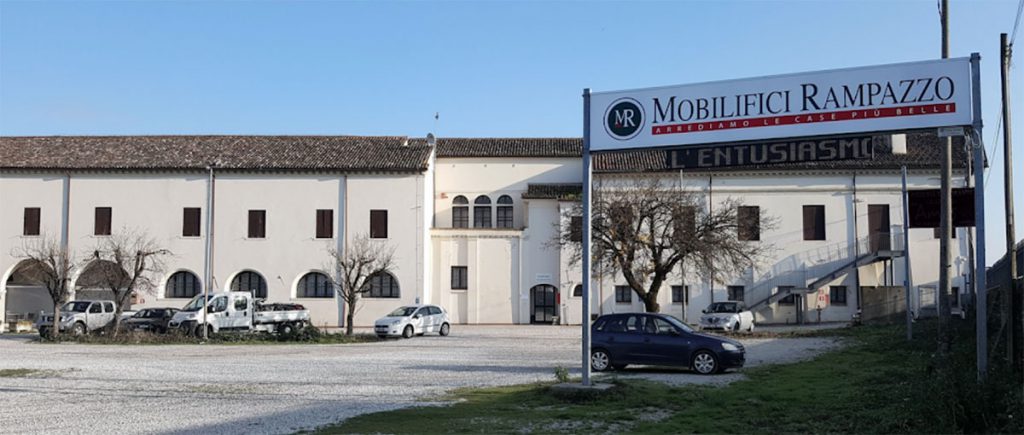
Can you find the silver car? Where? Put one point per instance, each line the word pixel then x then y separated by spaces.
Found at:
pixel 79 317
pixel 413 320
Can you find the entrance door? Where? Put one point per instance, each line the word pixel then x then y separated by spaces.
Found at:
pixel 878 227
pixel 544 304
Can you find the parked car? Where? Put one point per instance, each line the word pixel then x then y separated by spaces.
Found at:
pixel 79 317
pixel 239 312
pixel 618 340
pixel 727 316
pixel 149 319
pixel 413 319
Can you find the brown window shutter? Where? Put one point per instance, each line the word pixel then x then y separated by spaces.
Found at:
pixel 31 221
pixel 576 229
pixel 378 224
pixel 814 222
pixel 324 224
pixel 257 224
pixel 102 221
pixel 190 222
pixel 749 223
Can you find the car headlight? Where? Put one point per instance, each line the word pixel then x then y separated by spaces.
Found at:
pixel 395 322
pixel 730 347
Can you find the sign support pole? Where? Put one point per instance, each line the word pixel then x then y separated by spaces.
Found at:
pixel 585 320
pixel 906 254
pixel 981 305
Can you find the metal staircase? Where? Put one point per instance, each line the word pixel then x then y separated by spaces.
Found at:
pixel 879 247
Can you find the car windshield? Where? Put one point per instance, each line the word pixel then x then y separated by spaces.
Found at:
pixel 196 303
pixel 75 307
pixel 723 307
pixel 679 323
pixel 403 312
pixel 150 314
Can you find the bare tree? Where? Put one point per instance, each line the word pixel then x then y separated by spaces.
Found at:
pixel 126 263
pixel 48 264
pixel 355 266
pixel 645 228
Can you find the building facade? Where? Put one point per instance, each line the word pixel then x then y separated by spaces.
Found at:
pixel 474 222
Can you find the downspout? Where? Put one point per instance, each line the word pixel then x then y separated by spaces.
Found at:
pixel 208 260
pixel 339 242
pixel 65 231
pixel 856 247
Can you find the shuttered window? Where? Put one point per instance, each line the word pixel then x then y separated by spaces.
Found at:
pixel 257 224
pixel 814 222
pixel 576 229
pixel 31 227
pixel 460 278
pixel 837 295
pixel 378 224
pixel 102 221
pixel 623 294
pixel 460 212
pixel 735 293
pixel 685 221
pixel 482 212
pixel 505 211
pixel 324 224
pixel 680 294
pixel 381 285
pixel 315 285
pixel 190 222
pixel 748 223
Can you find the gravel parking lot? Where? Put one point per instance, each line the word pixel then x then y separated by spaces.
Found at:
pixel 283 388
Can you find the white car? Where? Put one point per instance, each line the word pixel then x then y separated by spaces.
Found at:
pixel 79 317
pixel 413 319
pixel 727 316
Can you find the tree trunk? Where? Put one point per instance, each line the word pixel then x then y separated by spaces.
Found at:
pixel 651 303
pixel 55 328
pixel 348 318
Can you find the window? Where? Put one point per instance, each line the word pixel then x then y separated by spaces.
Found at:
pixel 685 221
pixel 748 225
pixel 460 212
pixel 814 222
pixel 381 285
pixel 182 284
pixel 378 224
pixel 954 297
pixel 315 285
pixel 837 295
pixel 623 294
pixel 190 222
pixel 788 300
pixel 108 307
pixel 460 278
pixel 681 294
pixel 102 221
pixel 576 229
pixel 95 308
pixel 241 303
pixel 252 282
pixel 578 291
pixel 324 224
pixel 735 292
pixel 31 227
pixel 482 212
pixel 505 211
pixel 257 224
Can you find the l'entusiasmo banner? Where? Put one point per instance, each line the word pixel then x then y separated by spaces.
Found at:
pixel 866 99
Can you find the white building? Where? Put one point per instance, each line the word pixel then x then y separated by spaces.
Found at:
pixel 473 221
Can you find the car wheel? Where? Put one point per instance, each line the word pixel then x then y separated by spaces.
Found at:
pixel 736 327
pixel 285 328
pixel 78 329
pixel 705 363
pixel 407 332
pixel 44 332
pixel 600 360
pixel 445 330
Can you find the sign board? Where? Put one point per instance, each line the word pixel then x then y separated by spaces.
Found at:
pixel 951 131
pixel 924 207
pixel 542 277
pixel 762 153
pixel 868 99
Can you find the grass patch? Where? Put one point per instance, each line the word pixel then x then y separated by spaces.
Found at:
pixel 878 383
pixel 308 335
pixel 17 373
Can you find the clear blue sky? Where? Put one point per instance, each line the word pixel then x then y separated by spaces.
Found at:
pixel 489 68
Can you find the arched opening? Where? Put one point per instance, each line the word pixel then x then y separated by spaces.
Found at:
pixel 482 212
pixel 182 285
pixel 382 285
pixel 98 278
pixel 314 285
pixel 544 300
pixel 505 215
pixel 250 281
pixel 460 212
pixel 25 295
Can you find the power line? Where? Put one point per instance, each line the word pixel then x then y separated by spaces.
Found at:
pixel 1016 22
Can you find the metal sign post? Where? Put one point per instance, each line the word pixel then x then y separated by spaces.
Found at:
pixel 585 321
pixel 906 254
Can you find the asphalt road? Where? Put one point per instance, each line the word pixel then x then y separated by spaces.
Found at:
pixel 231 389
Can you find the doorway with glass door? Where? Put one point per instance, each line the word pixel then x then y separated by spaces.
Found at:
pixel 544 301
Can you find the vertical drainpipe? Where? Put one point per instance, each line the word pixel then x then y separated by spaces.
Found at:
pixel 339 242
pixel 65 226
pixel 208 258
pixel 856 246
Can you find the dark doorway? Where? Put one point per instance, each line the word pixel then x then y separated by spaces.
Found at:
pixel 878 227
pixel 545 304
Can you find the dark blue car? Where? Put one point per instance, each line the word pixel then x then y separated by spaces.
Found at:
pixel 657 339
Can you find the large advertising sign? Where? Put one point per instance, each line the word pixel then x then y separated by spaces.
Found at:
pixel 773 152
pixel 856 100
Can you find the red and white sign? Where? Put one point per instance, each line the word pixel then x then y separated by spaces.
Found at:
pixel 867 99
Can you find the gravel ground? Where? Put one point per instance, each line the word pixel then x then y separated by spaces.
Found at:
pixel 232 389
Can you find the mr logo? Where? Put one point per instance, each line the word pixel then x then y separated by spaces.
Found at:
pixel 624 118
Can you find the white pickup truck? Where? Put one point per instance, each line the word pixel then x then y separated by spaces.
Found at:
pixel 238 311
pixel 79 317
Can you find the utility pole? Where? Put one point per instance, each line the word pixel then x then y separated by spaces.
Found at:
pixel 946 216
pixel 1005 53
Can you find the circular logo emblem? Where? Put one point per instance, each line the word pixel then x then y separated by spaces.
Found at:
pixel 624 118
